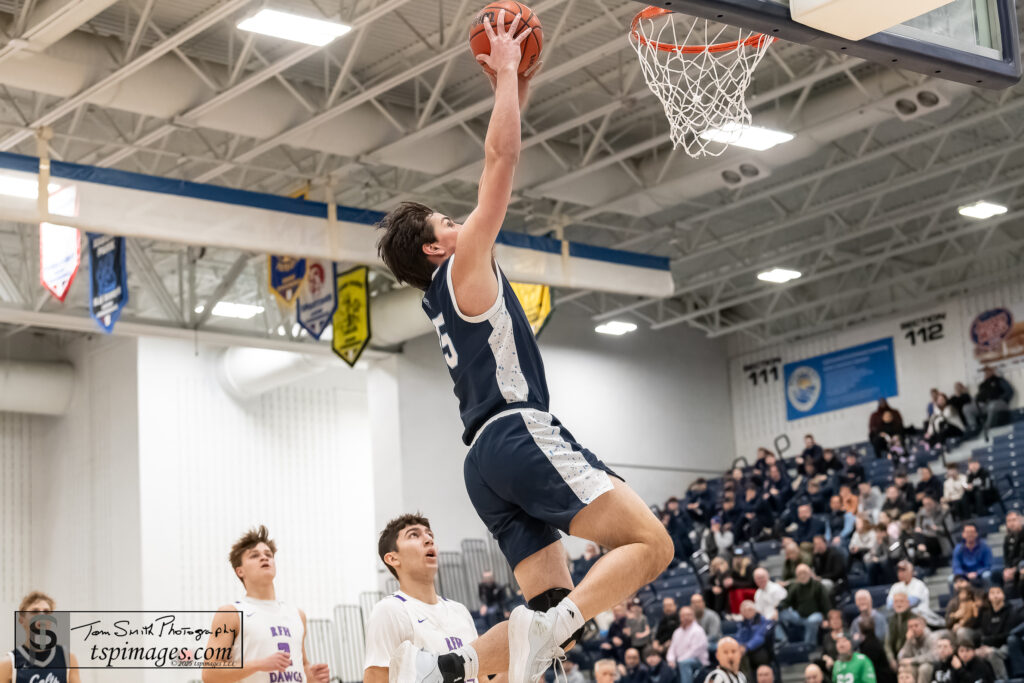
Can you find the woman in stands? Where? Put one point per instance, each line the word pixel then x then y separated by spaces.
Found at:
pixel 962 616
pixel 944 423
pixel 740 580
pixel 875 432
pixel 716 595
pixel 862 543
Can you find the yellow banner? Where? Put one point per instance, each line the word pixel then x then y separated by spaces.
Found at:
pixel 352 318
pixel 536 303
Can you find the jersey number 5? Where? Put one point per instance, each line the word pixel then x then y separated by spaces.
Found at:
pixel 451 356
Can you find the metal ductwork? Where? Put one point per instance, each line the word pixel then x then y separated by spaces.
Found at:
pixel 245 373
pixel 36 388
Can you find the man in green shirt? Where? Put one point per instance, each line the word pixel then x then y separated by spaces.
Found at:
pixel 851 667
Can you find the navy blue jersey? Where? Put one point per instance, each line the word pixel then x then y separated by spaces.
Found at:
pixel 493 358
pixel 53 671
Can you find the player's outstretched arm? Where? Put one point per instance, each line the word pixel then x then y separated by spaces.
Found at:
pixel 476 288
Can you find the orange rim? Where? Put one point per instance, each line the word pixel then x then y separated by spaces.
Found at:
pixel 757 40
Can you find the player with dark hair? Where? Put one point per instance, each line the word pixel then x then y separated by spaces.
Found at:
pixel 526 475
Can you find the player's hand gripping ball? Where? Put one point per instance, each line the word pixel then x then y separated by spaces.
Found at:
pixel 480 43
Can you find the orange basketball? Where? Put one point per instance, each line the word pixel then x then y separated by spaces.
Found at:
pixel 480 45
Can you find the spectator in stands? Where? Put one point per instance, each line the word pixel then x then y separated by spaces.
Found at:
pixel 829 567
pixel 829 463
pixel 959 400
pixel 806 474
pixel 605 671
pixel 896 631
pixel 832 630
pixel 678 525
pixel 732 518
pixel 715 540
pixel 807 527
pixel 581 566
pixel 953 491
pixel 898 451
pixel 793 556
pixel 997 620
pixel 1013 554
pixel 805 605
pixel 944 423
pixel 848 498
pixel 879 563
pixel 933 393
pixel 812 452
pixel 968 668
pixel 814 674
pixel 574 675
pixel 991 403
pixel 918 652
pixel 962 613
pixel 688 652
pixel 852 667
pixel 639 630
pixel 917 592
pixel 632 670
pixel 708 619
pixel 878 436
pixel 777 492
pixel 716 595
pixel 862 542
pixel 754 638
pixel 944 654
pixel 931 533
pixel 895 504
pixel 818 495
pixel 972 557
pixel 768 595
pixel 906 489
pixel 492 599
pixel 760 465
pixel 667 625
pixel 740 581
pixel 658 670
pixel 698 501
pixel 870 500
pixel 840 522
pixel 765 674
pixel 853 473
pixel 872 648
pixel 866 611
pixel 980 489
pixel 927 485
pixel 618 635
pixel 755 513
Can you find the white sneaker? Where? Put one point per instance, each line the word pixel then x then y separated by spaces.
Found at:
pixel 531 645
pixel 409 664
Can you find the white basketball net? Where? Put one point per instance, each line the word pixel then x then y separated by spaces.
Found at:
pixel 700 71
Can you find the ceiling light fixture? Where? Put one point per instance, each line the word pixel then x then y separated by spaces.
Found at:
pixel 982 209
pixel 751 137
pixel 228 309
pixel 779 275
pixel 615 327
pixel 272 22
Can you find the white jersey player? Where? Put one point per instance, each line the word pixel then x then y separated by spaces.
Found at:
pixel 415 613
pixel 264 636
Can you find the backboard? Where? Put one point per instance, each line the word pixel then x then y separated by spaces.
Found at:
pixel 971 41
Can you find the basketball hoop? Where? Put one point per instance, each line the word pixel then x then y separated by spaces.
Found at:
pixel 699 75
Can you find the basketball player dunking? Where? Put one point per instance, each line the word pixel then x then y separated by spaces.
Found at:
pixel 274 633
pixel 23 666
pixel 525 474
pixel 415 613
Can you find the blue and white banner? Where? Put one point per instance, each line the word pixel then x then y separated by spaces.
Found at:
pixel 286 276
pixel 318 298
pixel 108 279
pixel 837 380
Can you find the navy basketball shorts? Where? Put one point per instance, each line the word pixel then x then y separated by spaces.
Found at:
pixel 527 477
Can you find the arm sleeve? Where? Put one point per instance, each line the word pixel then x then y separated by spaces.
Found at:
pixel 848 525
pixel 387 628
pixel 757 637
pixel 958 567
pixel 867 671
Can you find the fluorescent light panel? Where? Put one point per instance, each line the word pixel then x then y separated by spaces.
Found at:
pixel 272 22
pixel 751 137
pixel 982 210
pixel 22 188
pixel 615 327
pixel 779 275
pixel 228 309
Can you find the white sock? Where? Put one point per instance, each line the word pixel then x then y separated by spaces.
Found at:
pixel 568 620
pixel 471 661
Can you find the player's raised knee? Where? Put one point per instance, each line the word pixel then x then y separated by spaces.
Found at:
pixel 661 551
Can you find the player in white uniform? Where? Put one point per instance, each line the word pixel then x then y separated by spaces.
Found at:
pixel 416 613
pixel 271 646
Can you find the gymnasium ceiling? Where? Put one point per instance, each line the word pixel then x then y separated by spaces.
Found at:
pixel 863 201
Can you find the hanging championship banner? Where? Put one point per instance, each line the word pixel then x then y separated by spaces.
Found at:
pixel 352 319
pixel 286 276
pixel 108 279
pixel 318 298
pixel 60 254
pixel 536 303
